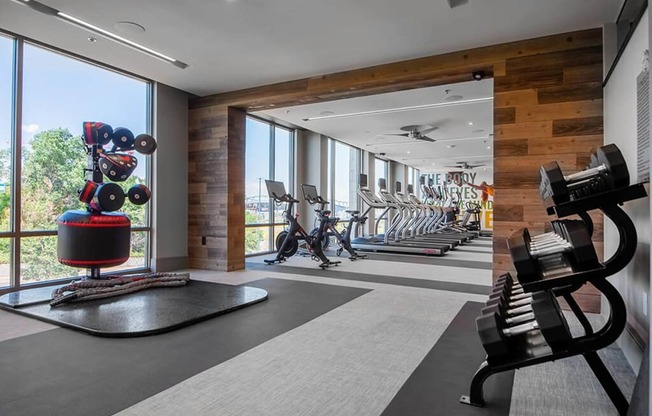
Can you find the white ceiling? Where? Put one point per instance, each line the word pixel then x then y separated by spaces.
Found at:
pixel 235 44
pixel 456 139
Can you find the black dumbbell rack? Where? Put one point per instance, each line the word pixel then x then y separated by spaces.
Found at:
pixel 532 348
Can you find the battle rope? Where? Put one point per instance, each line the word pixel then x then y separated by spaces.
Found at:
pixel 115 286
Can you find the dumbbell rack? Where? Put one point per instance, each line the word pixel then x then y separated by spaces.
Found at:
pixel 532 348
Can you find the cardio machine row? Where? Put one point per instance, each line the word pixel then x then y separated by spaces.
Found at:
pixel 288 241
pixel 417 227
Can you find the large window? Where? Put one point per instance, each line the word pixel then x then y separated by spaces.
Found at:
pixel 413 179
pixel 344 170
pixel 268 155
pixel 58 93
pixel 6 116
pixel 381 169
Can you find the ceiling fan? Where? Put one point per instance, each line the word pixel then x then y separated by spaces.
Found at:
pixel 416 132
pixel 464 166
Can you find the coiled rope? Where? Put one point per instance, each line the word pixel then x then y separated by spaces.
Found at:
pixel 115 286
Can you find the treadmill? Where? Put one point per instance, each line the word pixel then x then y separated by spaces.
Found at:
pixel 381 242
pixel 416 211
pixel 404 213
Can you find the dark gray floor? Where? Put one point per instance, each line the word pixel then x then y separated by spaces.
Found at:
pixel 374 278
pixel 168 308
pixel 61 371
pixel 437 261
pixel 435 386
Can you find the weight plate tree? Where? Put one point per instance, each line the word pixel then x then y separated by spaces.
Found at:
pixel 99 236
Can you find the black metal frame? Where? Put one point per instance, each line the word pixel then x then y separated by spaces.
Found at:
pixel 534 349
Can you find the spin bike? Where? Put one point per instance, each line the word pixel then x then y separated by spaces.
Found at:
pixel 287 242
pixel 343 239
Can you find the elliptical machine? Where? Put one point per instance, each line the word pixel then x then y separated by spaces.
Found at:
pixel 343 239
pixel 287 241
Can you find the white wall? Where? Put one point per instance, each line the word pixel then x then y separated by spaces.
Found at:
pixel 170 182
pixel 620 128
pixel 311 169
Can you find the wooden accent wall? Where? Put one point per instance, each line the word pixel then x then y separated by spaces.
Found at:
pixel 548 106
pixel 216 192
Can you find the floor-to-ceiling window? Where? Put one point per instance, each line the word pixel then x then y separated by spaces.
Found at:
pixel 344 169
pixel 44 151
pixel 381 169
pixel 6 116
pixel 268 155
pixel 413 179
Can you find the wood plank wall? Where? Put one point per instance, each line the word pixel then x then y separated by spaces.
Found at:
pixel 216 192
pixel 548 106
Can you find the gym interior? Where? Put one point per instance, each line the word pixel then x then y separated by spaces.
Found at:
pixel 289 208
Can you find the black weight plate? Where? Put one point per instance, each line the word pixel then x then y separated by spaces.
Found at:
pixel 139 194
pixel 109 197
pixel 145 144
pixel 123 138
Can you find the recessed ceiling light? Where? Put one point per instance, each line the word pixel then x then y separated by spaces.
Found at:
pixel 129 27
pixel 488 147
pixel 454 98
pixel 326 113
pixel 477 131
pixel 470 123
pixel 408 152
pixel 450 146
pixel 92 39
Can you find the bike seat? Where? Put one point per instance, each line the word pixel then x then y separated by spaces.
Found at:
pixel 353 212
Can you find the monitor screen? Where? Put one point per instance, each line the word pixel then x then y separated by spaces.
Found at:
pixel 309 192
pixel 382 184
pixel 410 189
pixel 398 186
pixel 275 188
pixel 363 180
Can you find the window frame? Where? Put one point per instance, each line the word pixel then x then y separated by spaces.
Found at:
pixel 15 233
pixel 271 224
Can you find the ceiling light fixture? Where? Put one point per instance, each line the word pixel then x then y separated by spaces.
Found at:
pixel 42 8
pixel 401 109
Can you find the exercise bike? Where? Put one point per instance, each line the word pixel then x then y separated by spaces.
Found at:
pixel 329 230
pixel 287 241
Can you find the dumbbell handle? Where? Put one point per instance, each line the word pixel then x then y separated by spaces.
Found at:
pixel 520 329
pixel 518 311
pixel 549 243
pixel 520 302
pixel 519 319
pixel 550 250
pixel 585 174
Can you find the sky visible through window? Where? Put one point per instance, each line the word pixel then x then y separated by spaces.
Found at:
pixel 59 91
pixel 6 63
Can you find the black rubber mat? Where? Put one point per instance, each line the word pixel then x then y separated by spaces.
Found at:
pixel 435 386
pixel 146 312
pixel 63 372
pixel 341 273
